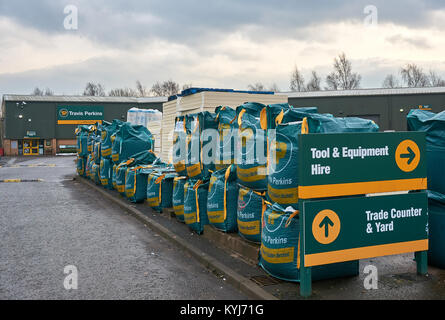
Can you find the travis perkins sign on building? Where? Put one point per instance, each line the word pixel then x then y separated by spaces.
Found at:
pixel 80 114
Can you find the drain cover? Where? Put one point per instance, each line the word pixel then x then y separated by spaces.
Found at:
pixel 265 280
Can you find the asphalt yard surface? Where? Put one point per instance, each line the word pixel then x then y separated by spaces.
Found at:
pixel 56 222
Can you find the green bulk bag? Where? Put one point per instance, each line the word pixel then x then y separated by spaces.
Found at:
pixel 88 164
pixel 106 139
pixel 136 182
pixel 106 173
pixel 280 248
pixel 96 149
pixel 283 148
pixel 436 229
pixel 222 199
pixel 82 140
pixel 226 142
pixel 81 164
pixel 200 147
pixel 160 189
pixel 130 140
pixel 136 187
pixel 434 126
pixel 195 204
pixel 120 177
pixel 251 158
pixel 250 208
pixel 178 197
pixel 95 174
pixel 91 138
pixel 179 149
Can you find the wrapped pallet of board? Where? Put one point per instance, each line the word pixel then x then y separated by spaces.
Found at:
pixel 196 100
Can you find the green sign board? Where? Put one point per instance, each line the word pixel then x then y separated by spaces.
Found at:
pixel 364 227
pixel 357 219
pixel 79 114
pixel 359 163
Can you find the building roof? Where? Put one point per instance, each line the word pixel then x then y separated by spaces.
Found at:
pixel 191 91
pixel 86 99
pixel 366 92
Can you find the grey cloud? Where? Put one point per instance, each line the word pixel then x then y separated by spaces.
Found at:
pixel 416 42
pixel 125 23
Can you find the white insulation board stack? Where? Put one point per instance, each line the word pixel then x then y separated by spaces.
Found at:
pixel 205 101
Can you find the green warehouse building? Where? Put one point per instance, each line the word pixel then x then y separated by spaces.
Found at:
pixel 387 107
pixel 37 125
pixel 45 125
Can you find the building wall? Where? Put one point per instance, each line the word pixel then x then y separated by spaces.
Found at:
pixel 388 111
pixel 44 118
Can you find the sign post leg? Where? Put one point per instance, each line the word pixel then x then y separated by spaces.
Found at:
pixel 305 272
pixel 422 262
pixel 305 282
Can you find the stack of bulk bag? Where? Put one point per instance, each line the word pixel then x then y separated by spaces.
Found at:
pixel 130 140
pixel 160 188
pixel 200 144
pixel 434 126
pixel 179 149
pixel 226 143
pixel 222 199
pixel 251 158
pixel 280 248
pixel 195 204
pixel 178 197
pixel 250 208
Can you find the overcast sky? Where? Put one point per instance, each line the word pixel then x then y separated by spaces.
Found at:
pixel 213 43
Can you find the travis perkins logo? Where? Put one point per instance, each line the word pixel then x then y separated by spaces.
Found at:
pixel 63 113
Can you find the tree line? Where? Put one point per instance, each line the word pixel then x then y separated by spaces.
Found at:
pixel 341 77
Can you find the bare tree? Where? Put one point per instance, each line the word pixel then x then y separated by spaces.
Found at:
pixel 166 88
pixel 187 86
pixel 274 88
pixel 123 92
pixel 40 92
pixel 256 87
pixel 436 80
pixel 94 89
pixel 297 81
pixel 140 89
pixel 413 76
pixel 342 78
pixel 391 82
pixel 314 83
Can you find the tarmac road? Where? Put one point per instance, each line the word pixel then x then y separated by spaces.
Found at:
pixel 46 226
